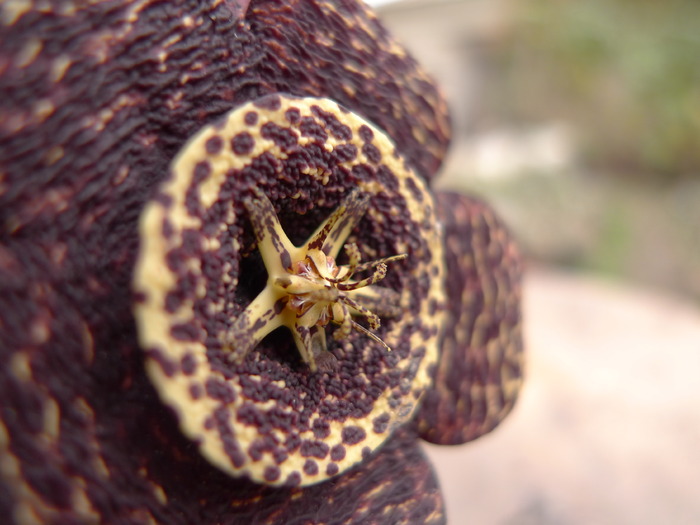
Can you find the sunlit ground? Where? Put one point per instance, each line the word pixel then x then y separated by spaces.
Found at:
pixel 579 123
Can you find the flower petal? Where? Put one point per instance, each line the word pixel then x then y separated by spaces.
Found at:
pixel 191 291
pixel 479 372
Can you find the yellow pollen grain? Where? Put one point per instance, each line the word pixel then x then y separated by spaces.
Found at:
pixel 67 8
pixel 88 343
pixel 43 109
pixel 59 67
pixel 12 10
pixel 160 494
pixel 121 175
pixel 53 155
pixel 83 506
pixel 19 366
pixel 39 331
pixel 52 419
pixel 174 39
pixel 29 52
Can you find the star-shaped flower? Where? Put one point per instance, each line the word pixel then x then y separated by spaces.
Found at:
pixel 306 289
pixel 207 317
pixel 93 112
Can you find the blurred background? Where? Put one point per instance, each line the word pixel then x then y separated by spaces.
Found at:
pixel 579 121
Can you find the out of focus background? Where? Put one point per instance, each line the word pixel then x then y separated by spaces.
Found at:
pixel 579 121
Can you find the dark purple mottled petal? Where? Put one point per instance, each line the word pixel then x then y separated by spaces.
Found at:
pixel 238 7
pixel 96 100
pixel 480 368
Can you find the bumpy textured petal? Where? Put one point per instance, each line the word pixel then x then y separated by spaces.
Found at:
pixel 266 413
pixel 481 363
pixel 151 480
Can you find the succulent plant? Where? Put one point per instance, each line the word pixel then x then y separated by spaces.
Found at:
pixel 177 182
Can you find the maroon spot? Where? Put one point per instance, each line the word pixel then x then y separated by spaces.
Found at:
pixel 201 172
pixel 165 200
pixel 372 153
pixel 292 115
pixel 264 166
pixel 231 450
pixel 217 389
pixel 279 455
pixel 432 369
pixel 338 453
pixel 191 241
pixel 242 143
pixel 366 453
pixel 353 435
pixel 285 138
pixel 432 307
pixel 345 153
pixel 271 102
pixel 387 178
pixel 251 118
pixel 316 449
pixel 418 354
pixel 332 124
pixel 249 414
pixel 185 331
pixel 271 473
pixel 280 304
pixel 310 467
pixel 310 128
pixel 185 287
pixel 167 228
pixel 188 364
pixel 366 134
pixel 169 368
pixel 256 449
pixel 292 442
pixel 363 172
pixel 222 420
pixel 196 391
pixel 380 423
pixel 286 259
pixel 293 480
pixel 417 193
pixel 332 469
pixel 172 302
pixel 321 429
pixel 214 144
pixel 341 131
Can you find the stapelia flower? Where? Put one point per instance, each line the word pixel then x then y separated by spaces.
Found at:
pixel 229 294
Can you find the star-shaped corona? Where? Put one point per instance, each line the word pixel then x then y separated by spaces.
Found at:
pixel 307 290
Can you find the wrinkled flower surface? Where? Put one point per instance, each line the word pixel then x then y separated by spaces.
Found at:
pixel 258 405
pixel 96 102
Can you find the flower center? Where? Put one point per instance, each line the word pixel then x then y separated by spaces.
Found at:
pixel 312 288
pixel 306 289
pixel 319 290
